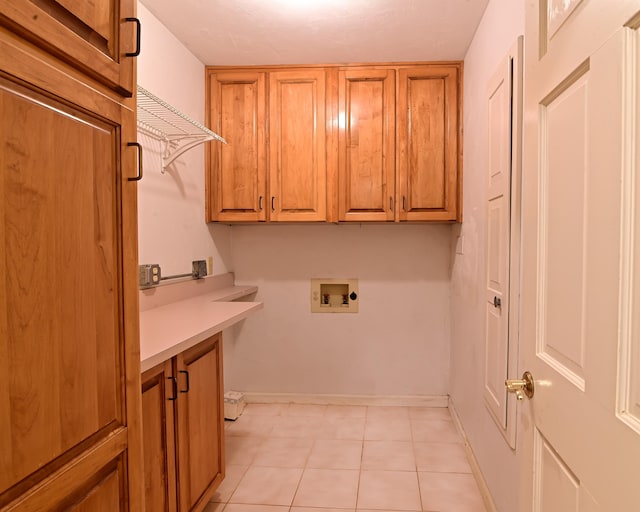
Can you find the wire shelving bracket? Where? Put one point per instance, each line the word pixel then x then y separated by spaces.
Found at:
pixel 176 130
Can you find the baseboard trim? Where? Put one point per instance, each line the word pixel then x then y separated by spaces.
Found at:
pixel 475 467
pixel 302 398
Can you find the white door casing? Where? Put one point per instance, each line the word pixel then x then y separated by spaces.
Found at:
pixel 504 127
pixel 579 437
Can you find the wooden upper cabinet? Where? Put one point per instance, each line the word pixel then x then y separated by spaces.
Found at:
pixel 236 171
pixel 297 146
pixel 374 143
pixel 428 143
pixel 366 145
pixel 93 36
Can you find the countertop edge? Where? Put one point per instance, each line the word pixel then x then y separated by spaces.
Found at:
pixel 175 326
pixel 183 344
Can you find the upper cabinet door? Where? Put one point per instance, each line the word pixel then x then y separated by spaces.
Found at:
pixel 94 36
pixel 236 171
pixel 297 141
pixel 366 147
pixel 428 143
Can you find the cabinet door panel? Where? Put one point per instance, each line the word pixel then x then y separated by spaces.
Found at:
pixel 297 135
pixel 95 480
pixel 92 36
pixel 366 145
pixel 158 439
pixel 200 423
pixel 105 496
pixel 60 333
pixel 428 143
pixel 236 178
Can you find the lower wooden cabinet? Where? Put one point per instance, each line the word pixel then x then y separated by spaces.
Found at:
pixel 182 416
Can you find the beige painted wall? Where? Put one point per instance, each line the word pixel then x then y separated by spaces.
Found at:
pixel 396 345
pixel 503 22
pixel 172 231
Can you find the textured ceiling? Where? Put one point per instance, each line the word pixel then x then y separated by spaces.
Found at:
pixel 246 32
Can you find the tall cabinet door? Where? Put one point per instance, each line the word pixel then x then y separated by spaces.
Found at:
pixel 428 143
pixel 93 36
pixel 70 381
pixel 366 145
pixel 200 423
pixel 297 141
pixel 236 171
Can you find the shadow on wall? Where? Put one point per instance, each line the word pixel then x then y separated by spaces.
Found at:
pixel 374 252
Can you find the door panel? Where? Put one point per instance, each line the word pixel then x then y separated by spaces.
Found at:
pixel 60 297
pixel 629 360
pixel 576 431
pixel 557 488
pixel 504 177
pixel 498 236
pixel 366 145
pixel 297 135
pixel 158 439
pixel 92 36
pixel 200 423
pixel 104 496
pixel 564 196
pixel 428 143
pixel 236 181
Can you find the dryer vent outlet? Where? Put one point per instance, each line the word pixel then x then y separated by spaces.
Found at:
pixel 199 269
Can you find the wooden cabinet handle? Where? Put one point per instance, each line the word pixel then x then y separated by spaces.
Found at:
pixel 186 374
pixel 404 203
pixel 391 203
pixel 136 52
pixel 260 203
pixel 174 388
pixel 273 205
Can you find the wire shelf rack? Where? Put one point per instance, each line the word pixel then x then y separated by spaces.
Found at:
pixel 176 130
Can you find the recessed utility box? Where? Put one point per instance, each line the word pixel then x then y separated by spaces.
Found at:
pixel 334 296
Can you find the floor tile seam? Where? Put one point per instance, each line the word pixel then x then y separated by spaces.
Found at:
pixel 395 510
pixel 235 488
pixel 293 498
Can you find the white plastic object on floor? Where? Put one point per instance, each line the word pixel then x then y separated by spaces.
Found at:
pixel 233 404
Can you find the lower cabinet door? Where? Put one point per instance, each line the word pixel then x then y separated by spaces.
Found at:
pixel 199 425
pixel 158 394
pixel 183 424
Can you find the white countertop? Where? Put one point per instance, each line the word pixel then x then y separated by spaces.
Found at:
pixel 167 330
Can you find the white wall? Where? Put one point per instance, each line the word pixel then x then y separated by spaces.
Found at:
pixel 396 345
pixel 502 23
pixel 172 230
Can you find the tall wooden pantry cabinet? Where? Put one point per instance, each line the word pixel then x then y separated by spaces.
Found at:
pixel 70 436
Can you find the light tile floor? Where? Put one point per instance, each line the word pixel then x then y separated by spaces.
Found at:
pixel 333 458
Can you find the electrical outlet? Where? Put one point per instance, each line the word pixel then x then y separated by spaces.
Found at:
pixel 149 275
pixel 199 268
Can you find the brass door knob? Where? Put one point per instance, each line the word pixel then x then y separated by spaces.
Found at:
pixel 523 387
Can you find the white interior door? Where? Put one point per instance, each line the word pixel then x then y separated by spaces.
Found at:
pixel 580 433
pixel 504 120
